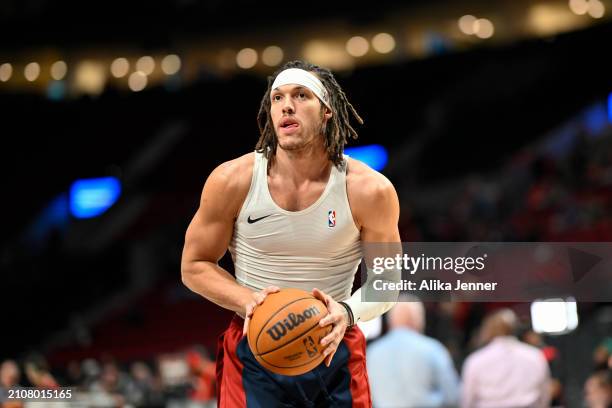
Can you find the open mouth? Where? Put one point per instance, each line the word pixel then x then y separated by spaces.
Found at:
pixel 288 123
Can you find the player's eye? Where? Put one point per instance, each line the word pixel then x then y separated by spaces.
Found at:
pixel 276 98
pixel 302 95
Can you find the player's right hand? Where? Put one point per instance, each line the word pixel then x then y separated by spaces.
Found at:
pixel 257 299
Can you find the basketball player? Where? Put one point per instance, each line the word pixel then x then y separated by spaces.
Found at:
pixel 293 214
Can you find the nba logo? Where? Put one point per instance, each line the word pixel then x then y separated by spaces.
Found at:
pixel 331 218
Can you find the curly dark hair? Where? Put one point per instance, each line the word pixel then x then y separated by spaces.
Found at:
pixel 337 130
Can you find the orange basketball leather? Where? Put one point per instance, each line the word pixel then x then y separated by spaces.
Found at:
pixel 284 332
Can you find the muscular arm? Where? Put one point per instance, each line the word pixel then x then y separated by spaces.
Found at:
pixel 377 211
pixel 375 207
pixel 209 234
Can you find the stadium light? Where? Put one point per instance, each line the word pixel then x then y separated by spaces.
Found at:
pixel 246 58
pixel 596 9
pixel 31 71
pixel 357 46
pixel 375 156
pixel 137 81
pixel 272 55
pixel 383 43
pixel 466 24
pixel 58 70
pixel 171 64
pixel 146 65
pixel 483 28
pixel 6 71
pixel 92 197
pixel 554 316
pixel 119 67
pixel 595 118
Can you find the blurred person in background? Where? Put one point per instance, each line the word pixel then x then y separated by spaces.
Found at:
pixel 74 374
pixel 408 369
pixel 38 374
pixel 202 373
pixel 114 385
pixel 504 373
pixel 293 214
pixel 445 326
pixel 602 353
pixel 90 369
pixel 9 374
pixel 598 390
pixel 552 356
pixel 9 378
pixel 146 391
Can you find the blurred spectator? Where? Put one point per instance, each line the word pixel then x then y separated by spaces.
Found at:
pixel 90 370
pixel 147 389
pixel 505 372
pixel 442 324
pixel 408 369
pixel 551 354
pixel 202 372
pixel 175 378
pixel 113 385
pixel 9 374
pixel 38 374
pixel 9 378
pixel 598 390
pixel 37 371
pixel 74 374
pixel 602 353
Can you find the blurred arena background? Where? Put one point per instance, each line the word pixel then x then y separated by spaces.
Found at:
pixel 494 119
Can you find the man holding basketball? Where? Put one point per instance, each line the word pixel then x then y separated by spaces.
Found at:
pixel 293 214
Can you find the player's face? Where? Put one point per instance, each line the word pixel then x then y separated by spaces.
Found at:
pixel 298 116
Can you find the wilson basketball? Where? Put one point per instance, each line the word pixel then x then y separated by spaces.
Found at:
pixel 284 332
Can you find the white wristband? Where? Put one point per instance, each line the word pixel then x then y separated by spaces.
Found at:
pixel 364 311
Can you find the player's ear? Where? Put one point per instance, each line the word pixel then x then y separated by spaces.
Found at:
pixel 328 113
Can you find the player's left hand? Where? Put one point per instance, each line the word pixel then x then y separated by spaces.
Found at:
pixel 338 318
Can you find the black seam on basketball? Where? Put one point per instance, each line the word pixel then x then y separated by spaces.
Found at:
pixel 289 368
pixel 290 341
pixel 272 317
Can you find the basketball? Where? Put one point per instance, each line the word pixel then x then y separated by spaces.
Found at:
pixel 284 333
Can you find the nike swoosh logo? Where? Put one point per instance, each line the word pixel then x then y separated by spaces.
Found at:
pixel 252 220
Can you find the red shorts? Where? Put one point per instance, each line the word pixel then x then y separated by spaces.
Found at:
pixel 243 382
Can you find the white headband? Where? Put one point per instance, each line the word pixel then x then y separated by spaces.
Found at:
pixel 301 77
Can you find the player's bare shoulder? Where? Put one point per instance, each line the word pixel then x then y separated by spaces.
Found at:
pixel 369 192
pixel 235 174
pixel 229 183
pixel 363 182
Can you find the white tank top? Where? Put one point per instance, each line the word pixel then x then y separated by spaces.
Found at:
pixel 317 247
